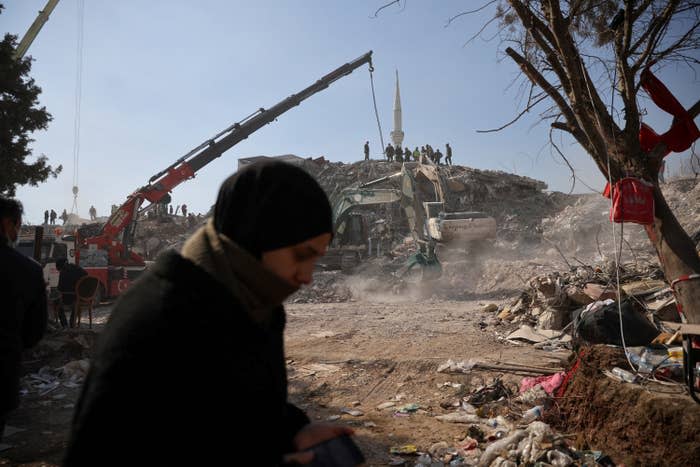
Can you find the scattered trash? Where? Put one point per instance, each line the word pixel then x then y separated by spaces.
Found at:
pixel 548 383
pixel 408 408
pixel 493 392
pixel 353 412
pixel 456 367
pixel 532 414
pixel 405 449
pixel 494 449
pixel 599 323
pixel 459 417
pixel 385 405
pixel 622 375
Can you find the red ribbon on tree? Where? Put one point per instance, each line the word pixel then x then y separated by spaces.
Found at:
pixel 633 199
pixel 683 131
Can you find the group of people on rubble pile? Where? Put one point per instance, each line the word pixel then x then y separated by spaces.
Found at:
pixel 396 154
pixel 222 295
pixel 50 217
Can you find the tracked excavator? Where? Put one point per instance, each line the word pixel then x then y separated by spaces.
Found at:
pixel 421 190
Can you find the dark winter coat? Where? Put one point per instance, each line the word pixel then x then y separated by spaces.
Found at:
pixel 184 375
pixel 67 280
pixel 23 318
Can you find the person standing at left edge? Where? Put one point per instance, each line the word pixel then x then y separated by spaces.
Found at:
pixel 23 314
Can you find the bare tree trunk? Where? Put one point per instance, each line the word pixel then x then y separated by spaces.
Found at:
pixel 677 256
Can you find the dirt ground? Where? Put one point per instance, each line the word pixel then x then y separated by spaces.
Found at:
pixel 345 359
pixel 338 354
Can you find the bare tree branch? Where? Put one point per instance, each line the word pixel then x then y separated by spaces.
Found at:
pixel 478 33
pixel 561 154
pixel 526 110
pixel 387 5
pixel 469 12
pixel 676 45
pixel 653 34
pixel 635 14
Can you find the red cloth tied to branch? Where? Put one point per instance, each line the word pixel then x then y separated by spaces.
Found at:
pixel 683 131
pixel 633 201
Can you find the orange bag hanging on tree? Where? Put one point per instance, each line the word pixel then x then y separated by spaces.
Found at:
pixel 632 201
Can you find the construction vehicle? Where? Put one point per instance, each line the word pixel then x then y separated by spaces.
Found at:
pixel 105 251
pixel 421 190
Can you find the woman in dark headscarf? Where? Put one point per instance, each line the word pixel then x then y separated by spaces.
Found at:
pixel 190 369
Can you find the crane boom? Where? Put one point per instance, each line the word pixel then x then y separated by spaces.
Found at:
pixel 34 29
pixel 159 185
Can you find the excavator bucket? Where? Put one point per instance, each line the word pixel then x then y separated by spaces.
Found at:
pixel 430 266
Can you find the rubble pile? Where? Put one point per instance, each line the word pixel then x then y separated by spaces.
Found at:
pixel 154 235
pixel 327 287
pixel 682 195
pixel 517 203
pixel 551 300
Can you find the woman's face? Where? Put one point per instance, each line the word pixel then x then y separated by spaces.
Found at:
pixel 295 264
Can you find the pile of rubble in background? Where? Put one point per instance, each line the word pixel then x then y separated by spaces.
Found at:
pixel 517 203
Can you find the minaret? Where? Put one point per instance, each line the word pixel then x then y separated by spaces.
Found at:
pixel 397 134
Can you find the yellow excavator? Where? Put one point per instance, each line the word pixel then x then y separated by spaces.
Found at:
pixel 421 190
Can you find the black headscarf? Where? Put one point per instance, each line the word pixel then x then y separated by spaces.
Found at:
pixel 271 205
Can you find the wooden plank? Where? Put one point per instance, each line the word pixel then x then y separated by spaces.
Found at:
pixel 684 328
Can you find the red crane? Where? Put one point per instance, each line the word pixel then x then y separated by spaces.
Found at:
pixel 115 237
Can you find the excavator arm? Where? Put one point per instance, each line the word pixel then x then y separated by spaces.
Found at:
pixel 122 222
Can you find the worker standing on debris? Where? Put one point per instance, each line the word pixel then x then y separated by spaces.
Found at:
pixel 64 217
pixel 366 150
pixel 398 153
pixel 448 154
pixel 212 313
pixel 46 217
pixel 93 213
pixel 52 217
pixel 184 210
pixel 389 151
pixel 416 154
pixel 23 314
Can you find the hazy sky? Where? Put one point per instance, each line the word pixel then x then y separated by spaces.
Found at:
pixel 160 77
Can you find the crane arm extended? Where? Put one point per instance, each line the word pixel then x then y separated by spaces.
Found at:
pixel 34 29
pixel 160 184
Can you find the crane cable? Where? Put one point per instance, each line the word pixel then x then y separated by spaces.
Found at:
pixel 374 100
pixel 78 98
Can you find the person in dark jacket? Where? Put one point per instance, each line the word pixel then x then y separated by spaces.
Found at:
pixel 366 149
pixel 190 369
pixel 68 276
pixel 389 151
pixel 23 314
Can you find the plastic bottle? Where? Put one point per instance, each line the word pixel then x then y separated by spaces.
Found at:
pixel 624 375
pixel 643 363
pixel 533 414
